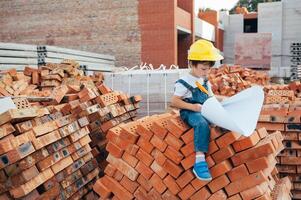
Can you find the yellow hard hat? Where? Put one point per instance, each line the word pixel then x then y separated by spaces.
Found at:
pixel 203 50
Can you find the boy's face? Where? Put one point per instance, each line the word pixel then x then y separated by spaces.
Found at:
pixel 201 70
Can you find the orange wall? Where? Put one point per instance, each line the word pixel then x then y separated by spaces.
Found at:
pixel 210 17
pixel 158 33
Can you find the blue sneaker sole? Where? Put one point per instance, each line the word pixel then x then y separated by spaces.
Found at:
pixel 202 179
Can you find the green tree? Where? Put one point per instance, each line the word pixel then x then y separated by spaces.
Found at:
pixel 251 5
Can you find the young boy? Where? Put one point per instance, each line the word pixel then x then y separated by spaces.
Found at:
pixel 189 98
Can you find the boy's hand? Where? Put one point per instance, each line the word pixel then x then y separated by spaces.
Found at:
pixel 196 107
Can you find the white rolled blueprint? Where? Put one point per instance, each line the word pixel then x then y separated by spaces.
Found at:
pixel 238 113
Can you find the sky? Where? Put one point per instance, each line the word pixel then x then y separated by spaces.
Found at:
pixel 214 4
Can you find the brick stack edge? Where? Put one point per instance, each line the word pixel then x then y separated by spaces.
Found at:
pixel 283 112
pixel 56 150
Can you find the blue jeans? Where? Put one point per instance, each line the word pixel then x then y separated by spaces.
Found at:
pixel 201 129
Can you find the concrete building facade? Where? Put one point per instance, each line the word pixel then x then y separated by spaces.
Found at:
pixel 282 19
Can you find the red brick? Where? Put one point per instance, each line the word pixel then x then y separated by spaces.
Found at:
pixel 144 183
pixel 140 193
pixel 198 184
pixel 258 164
pixel 185 178
pixel 174 142
pixel 158 143
pixel 157 183
pixel 212 148
pixel 188 136
pixel 266 196
pixel 145 145
pixel 144 170
pixel 210 161
pixel 131 186
pixel 104 89
pixel 222 154
pixel 253 153
pixel 290 160
pixel 6 129
pixel 271 126
pixel 132 149
pixel 123 167
pixel 219 195
pixel 187 192
pixel 171 184
pixel 131 160
pixel 215 133
pixel 110 170
pixel 109 124
pixel 176 127
pixel 245 183
pixel 159 157
pixel 45 128
pixel 118 175
pixel 115 198
pixel 144 132
pixel 153 194
pixel 173 155
pixel 116 188
pixel 238 173
pixel 144 157
pixel 188 162
pixel 158 169
pixel 227 139
pixel 101 189
pixel 220 169
pixel 107 99
pixel 188 149
pixel 255 192
pixel 159 130
pixel 173 169
pixel 167 195
pixel 218 183
pixel 128 133
pixel 235 197
pixel 201 194
pixel 246 142
pixel 114 150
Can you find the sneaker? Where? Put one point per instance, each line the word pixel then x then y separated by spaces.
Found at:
pixel 201 171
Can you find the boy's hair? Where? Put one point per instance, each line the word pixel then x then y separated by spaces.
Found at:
pixel 196 62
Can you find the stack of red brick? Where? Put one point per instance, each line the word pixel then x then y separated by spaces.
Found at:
pixel 152 158
pixel 229 80
pixel 45 81
pixel 278 94
pixel 47 152
pixel 44 157
pixel 286 118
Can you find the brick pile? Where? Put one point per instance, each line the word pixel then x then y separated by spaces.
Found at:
pixel 52 80
pixel 229 80
pixel 286 118
pixel 56 149
pixel 152 158
pixel 278 94
pixel 44 157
